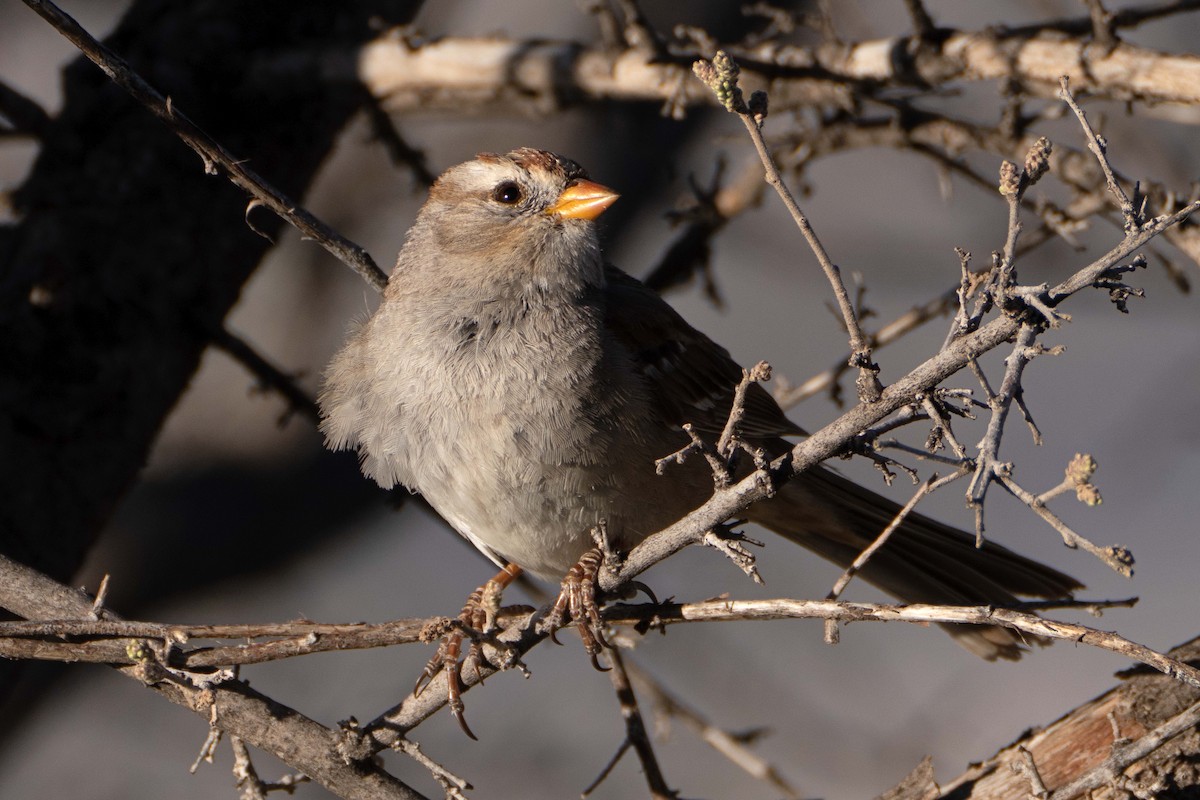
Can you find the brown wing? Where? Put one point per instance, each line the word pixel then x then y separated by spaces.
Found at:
pixel 692 377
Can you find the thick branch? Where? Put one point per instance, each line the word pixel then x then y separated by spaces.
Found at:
pixel 507 76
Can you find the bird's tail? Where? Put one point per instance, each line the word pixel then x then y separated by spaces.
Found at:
pixel 923 561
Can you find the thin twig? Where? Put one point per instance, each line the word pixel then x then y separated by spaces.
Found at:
pixel 209 150
pixel 732 746
pixel 987 464
pixel 1028 767
pixel 451 784
pixel 608 768
pixel 269 376
pixel 237 708
pixel 1118 558
pixel 844 580
pixel 1099 148
pixel 831 628
pixel 923 25
pixel 917 613
pixel 721 75
pixel 635 729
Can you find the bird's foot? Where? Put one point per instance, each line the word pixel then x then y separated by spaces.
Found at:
pixel 476 621
pixel 578 600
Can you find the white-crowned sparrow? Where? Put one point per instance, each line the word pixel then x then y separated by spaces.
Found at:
pixel 525 388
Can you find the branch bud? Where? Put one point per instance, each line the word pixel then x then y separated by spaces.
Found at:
pixel 1010 179
pixel 758 106
pixel 721 75
pixel 1037 160
pixel 1080 472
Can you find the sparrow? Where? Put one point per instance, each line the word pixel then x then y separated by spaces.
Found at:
pixel 525 388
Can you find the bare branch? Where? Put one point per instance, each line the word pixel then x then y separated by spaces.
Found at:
pixel 732 746
pixel 635 729
pixel 721 75
pixel 731 610
pixel 233 706
pixel 495 75
pixel 1099 148
pixel 209 150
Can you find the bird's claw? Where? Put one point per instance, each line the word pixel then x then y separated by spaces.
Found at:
pixel 577 599
pixel 478 617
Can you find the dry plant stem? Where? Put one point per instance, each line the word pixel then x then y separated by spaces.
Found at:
pixel 608 768
pixel 860 349
pixel 1100 151
pixel 100 648
pixel 268 375
pixel 1110 771
pixel 233 706
pixel 208 749
pixel 731 434
pixel 635 729
pixel 922 23
pixel 735 610
pixel 1116 557
pixel 98 604
pixel 250 786
pixel 924 455
pixel 790 396
pixel 451 784
pixel 987 464
pixel 844 580
pixel 831 628
pixel 109 640
pixel 525 633
pixel 943 424
pixel 730 746
pixel 1102 24
pixel 208 149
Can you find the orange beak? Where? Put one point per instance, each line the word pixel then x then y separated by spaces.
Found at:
pixel 583 200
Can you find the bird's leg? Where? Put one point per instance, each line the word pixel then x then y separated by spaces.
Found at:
pixel 578 599
pixel 478 614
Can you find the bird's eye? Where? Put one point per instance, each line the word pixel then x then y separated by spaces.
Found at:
pixel 508 193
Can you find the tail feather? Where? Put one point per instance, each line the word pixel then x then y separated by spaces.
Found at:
pixel 924 561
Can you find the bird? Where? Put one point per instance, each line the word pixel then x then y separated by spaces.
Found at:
pixel 526 387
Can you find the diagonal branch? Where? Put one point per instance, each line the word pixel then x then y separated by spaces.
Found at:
pixel 211 151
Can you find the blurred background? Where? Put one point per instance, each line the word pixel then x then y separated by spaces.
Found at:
pixel 314 539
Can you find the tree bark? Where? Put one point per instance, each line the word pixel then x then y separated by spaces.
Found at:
pixel 1081 741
